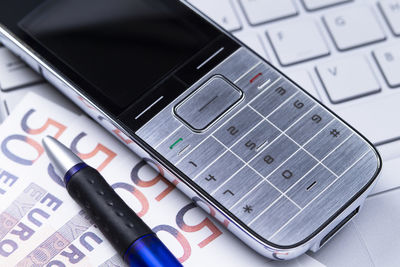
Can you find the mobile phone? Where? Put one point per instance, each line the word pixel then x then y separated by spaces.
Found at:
pixel 245 142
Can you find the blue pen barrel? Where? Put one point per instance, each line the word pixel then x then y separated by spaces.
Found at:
pixel 129 235
pixel 149 251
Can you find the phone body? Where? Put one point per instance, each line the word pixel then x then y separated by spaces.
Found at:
pixel 243 141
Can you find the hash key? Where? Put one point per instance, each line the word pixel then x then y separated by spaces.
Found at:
pixel 328 139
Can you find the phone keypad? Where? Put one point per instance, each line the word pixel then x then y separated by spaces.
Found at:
pixel 238 126
pixel 201 157
pixel 255 140
pixel 236 187
pixel 219 172
pixel 271 157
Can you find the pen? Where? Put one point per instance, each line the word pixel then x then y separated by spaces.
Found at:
pixel 129 235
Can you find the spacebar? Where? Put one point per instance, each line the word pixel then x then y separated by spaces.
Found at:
pixel 378 120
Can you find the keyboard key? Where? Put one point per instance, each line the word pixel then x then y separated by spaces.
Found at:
pixel 297 41
pixel 311 185
pixel 291 111
pixel 274 218
pixel 221 11
pixel 271 99
pixel 201 157
pixel 348 78
pixel 14 73
pixel 255 141
pixel 347 154
pixel 254 41
pixel 262 11
pixel 237 127
pixel 255 202
pixel 219 172
pixel 292 171
pixel 376 119
pixel 353 27
pixel 327 140
pixel 388 59
pixel 391 11
pixel 318 4
pixel 310 125
pixel 237 187
pixel 274 155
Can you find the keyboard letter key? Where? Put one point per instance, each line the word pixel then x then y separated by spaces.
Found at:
pixel 391 11
pixel 262 11
pixel 348 78
pixel 318 4
pixel 353 27
pixel 388 59
pixel 298 41
pixel 220 11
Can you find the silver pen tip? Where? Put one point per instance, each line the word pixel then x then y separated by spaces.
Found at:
pixel 62 158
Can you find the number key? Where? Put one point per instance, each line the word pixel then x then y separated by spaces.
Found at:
pixel 237 127
pixel 271 99
pixel 237 187
pixel 255 141
pixel 291 111
pixel 310 125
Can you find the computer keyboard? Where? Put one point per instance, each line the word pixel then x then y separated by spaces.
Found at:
pixel 344 52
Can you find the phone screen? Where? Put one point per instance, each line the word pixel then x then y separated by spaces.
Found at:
pixel 121 47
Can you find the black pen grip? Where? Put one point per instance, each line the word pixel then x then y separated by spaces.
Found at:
pixel 115 219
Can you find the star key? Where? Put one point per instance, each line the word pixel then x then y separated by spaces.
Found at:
pixel 248 209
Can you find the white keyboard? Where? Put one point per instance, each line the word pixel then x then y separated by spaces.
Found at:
pixel 344 52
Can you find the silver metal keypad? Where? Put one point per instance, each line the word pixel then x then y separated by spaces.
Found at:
pixel 311 185
pixel 201 157
pixel 255 140
pixel 179 144
pixel 237 127
pixel 219 172
pixel 275 217
pixel 208 103
pixel 278 160
pixel 253 204
pixel 309 125
pixel 315 212
pixel 270 100
pixel 292 171
pixel 257 80
pixel 236 187
pixel 273 155
pixel 352 150
pixel 328 139
pixel 291 111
